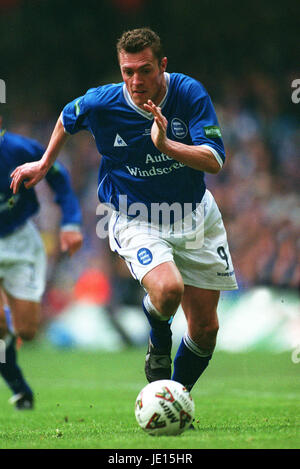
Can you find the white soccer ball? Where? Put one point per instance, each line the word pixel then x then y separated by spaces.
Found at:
pixel 164 407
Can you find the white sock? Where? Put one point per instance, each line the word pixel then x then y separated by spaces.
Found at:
pixel 8 338
pixel 193 347
pixel 152 310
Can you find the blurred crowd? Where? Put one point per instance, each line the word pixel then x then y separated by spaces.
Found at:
pixel 257 192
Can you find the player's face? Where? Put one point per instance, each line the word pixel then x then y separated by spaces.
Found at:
pixel 143 76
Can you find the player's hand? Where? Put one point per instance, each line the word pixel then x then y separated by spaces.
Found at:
pixel 159 127
pixel 70 241
pixel 29 173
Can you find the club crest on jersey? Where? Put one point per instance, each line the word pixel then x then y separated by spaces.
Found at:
pixel 144 256
pixel 179 128
pixel 119 142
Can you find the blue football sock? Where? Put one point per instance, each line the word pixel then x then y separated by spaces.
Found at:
pixel 10 371
pixel 160 333
pixel 189 363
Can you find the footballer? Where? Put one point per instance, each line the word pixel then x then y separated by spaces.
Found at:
pixel 22 254
pixel 158 135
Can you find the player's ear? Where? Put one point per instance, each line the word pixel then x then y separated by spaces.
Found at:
pixel 163 64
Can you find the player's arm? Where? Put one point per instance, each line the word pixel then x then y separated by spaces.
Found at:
pixel 71 237
pixel 31 173
pixel 194 156
pixel 197 157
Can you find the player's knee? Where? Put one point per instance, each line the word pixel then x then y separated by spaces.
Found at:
pixel 169 294
pixel 3 327
pixel 27 332
pixel 211 329
pixel 3 331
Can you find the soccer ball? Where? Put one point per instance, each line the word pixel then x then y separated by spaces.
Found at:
pixel 164 407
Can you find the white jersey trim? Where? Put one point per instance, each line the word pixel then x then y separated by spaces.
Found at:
pixel 215 153
pixel 71 227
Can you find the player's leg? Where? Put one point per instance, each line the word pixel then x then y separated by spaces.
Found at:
pixel 206 268
pixel 10 371
pixel 23 283
pixel 150 260
pixel 164 288
pixel 198 344
pixel 25 315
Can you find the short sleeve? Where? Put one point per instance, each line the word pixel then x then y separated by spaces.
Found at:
pixel 203 123
pixel 75 115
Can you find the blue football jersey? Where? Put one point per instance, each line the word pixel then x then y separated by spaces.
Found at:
pixel 16 209
pixel 131 165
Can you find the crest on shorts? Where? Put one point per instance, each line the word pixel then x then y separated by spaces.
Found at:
pixel 144 256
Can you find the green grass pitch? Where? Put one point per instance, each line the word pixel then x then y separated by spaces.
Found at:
pixel 86 400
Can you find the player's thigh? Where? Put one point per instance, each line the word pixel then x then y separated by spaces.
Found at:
pixel 142 248
pixel 206 262
pixel 200 308
pixel 23 264
pixel 25 316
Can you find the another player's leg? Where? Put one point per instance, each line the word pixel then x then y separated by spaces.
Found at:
pixel 198 344
pixel 164 292
pixel 24 325
pixel 10 371
pixel 23 284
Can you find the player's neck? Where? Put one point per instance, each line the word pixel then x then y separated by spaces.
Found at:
pixel 160 95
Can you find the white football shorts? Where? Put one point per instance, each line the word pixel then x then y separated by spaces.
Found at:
pixel 198 246
pixel 23 263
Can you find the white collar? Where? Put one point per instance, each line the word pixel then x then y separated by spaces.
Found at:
pixel 146 114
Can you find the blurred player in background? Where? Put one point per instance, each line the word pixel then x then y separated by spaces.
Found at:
pixel 158 134
pixel 22 254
